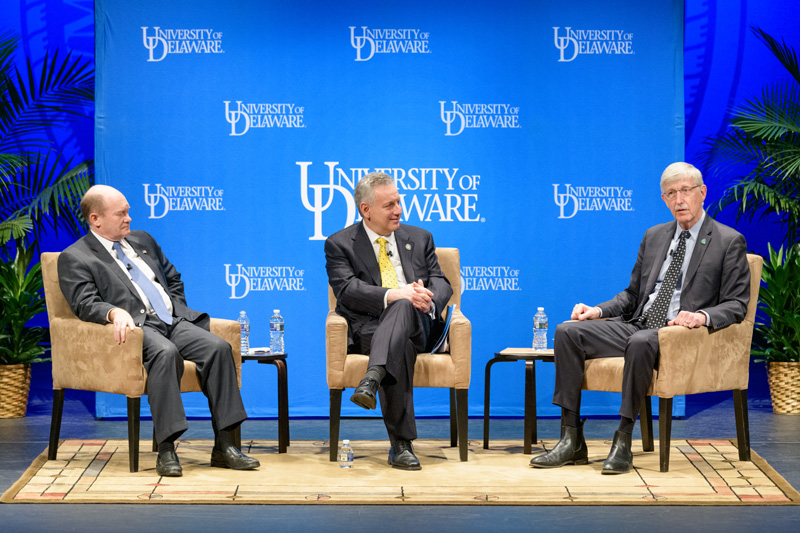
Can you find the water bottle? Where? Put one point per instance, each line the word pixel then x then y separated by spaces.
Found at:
pixel 540 330
pixel 244 329
pixel 346 455
pixel 276 332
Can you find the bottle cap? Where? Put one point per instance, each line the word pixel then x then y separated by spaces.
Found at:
pixel 540 308
pixel 276 311
pixel 346 442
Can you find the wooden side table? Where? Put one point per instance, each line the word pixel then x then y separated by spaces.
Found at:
pixel 530 357
pixel 279 360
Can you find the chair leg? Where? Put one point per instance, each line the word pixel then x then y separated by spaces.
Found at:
pixel 664 430
pixel 134 405
pixel 55 423
pixel 336 410
pixel 462 406
pixel 453 419
pixel 742 423
pixel 646 424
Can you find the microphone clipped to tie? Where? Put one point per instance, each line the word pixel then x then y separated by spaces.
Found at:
pixel 389 253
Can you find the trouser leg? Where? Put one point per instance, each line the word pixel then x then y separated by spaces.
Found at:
pixel 641 355
pixel 400 334
pixel 216 372
pixel 574 343
pixel 164 367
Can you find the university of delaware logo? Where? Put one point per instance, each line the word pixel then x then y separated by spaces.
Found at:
pixel 575 199
pixel 438 194
pixel 160 43
pixel 245 279
pixel 162 200
pixel 369 42
pixel 458 117
pixel 244 116
pixel 572 43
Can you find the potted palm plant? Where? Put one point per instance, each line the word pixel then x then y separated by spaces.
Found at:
pixel 764 140
pixel 39 192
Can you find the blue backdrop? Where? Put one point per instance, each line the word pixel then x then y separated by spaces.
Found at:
pixel 530 136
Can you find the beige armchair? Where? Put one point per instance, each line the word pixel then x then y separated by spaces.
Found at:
pixel 85 357
pixel 450 370
pixel 691 361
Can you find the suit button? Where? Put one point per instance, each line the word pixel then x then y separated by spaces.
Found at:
pixel 141 311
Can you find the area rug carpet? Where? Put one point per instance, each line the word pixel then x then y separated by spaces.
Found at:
pixel 702 472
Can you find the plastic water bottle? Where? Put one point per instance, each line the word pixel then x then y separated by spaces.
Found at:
pixel 244 328
pixel 276 332
pixel 346 455
pixel 540 330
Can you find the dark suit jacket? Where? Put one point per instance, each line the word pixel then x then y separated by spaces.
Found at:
pixel 93 283
pixel 355 276
pixel 717 279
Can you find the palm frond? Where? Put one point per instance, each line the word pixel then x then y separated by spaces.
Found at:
pixel 14 228
pixel 785 54
pixel 36 103
pixel 48 194
pixel 773 116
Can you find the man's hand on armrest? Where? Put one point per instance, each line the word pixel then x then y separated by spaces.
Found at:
pixel 122 321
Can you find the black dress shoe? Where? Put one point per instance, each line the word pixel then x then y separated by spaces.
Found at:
pixel 167 464
pixel 570 450
pixel 620 458
pixel 401 456
pixel 231 457
pixel 364 395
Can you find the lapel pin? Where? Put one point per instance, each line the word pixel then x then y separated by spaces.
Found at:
pixel 408 246
pixel 702 241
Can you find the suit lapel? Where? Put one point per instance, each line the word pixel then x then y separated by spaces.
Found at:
pixel 148 257
pixel 661 247
pixel 700 247
pixel 405 248
pixel 366 254
pixel 103 255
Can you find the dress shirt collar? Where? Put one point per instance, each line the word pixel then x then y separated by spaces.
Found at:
pixel 374 236
pixel 694 231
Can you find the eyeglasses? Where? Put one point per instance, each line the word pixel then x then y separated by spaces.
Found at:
pixel 685 191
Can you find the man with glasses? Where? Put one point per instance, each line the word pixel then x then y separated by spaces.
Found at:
pixel 692 272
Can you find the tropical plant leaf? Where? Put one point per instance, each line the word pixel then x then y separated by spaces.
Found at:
pixel 47 195
pixel 785 54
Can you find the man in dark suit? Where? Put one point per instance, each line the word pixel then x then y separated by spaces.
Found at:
pixel 115 275
pixel 389 287
pixel 692 273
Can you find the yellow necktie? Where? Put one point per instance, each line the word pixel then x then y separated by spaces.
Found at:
pixel 388 273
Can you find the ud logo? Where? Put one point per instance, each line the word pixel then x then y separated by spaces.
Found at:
pixel 153 200
pixel 234 116
pixel 358 42
pixel 563 44
pixel 321 201
pixel 234 280
pixel 562 200
pixel 449 117
pixel 152 43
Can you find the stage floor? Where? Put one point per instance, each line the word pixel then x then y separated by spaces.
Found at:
pixel 775 437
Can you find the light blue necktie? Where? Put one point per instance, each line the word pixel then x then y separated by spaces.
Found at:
pixel 147 286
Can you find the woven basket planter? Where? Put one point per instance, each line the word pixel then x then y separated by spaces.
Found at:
pixel 784 387
pixel 15 383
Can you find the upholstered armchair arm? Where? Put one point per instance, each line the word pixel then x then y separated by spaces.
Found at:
pixel 335 347
pixel 229 331
pixel 461 348
pixel 703 360
pixel 86 357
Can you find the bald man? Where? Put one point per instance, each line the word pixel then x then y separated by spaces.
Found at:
pixel 118 276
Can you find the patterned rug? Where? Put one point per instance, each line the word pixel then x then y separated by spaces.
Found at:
pixel 702 472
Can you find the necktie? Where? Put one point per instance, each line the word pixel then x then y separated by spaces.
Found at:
pixel 388 273
pixel 147 286
pixel 657 314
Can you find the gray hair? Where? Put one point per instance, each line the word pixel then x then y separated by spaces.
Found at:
pixel 680 170
pixel 365 189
